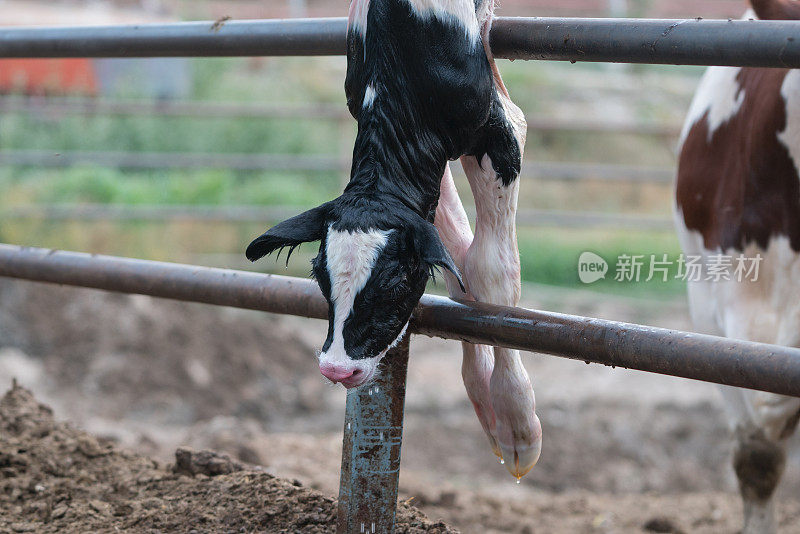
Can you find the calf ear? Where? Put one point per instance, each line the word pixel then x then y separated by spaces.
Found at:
pixel 308 226
pixel 433 252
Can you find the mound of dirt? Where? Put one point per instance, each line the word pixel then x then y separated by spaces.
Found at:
pixel 54 478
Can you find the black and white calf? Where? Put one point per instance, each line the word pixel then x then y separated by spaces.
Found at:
pixel 425 90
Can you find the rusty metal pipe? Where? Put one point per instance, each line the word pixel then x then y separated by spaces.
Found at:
pixel 679 42
pixel 287 37
pixel 740 43
pixel 373 435
pixel 222 287
pixel 713 359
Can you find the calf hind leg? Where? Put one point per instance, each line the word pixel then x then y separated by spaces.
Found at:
pixel 493 273
pixel 493 269
pixel 477 362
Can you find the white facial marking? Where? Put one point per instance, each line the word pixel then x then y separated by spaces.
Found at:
pixel 369 96
pixel 720 95
pixel 350 259
pixel 357 20
pixel 461 12
pixel 790 137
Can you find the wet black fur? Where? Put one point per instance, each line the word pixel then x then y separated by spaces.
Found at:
pixel 435 101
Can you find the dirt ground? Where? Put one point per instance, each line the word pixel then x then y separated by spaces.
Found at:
pixel 54 478
pixel 624 451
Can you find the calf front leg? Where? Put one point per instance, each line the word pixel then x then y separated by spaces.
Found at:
pixel 493 269
pixel 478 361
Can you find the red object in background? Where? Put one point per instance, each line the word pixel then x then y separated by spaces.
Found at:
pixel 48 76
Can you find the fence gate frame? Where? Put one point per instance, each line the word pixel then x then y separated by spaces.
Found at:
pixel 374 413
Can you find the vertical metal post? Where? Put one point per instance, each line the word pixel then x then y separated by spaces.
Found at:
pixel 373 434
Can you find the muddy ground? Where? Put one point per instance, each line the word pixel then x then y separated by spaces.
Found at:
pixel 624 451
pixel 54 478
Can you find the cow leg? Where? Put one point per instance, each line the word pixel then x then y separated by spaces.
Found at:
pixel 477 362
pixel 759 455
pixel 761 423
pixel 493 273
pixel 493 270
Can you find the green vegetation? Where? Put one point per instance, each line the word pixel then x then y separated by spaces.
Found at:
pixel 99 185
pixel 549 256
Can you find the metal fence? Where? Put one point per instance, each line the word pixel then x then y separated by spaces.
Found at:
pixel 243 214
pixel 251 165
pixel 90 106
pixel 48 108
pixel 373 421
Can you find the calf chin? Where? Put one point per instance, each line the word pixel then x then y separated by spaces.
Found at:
pixel 336 366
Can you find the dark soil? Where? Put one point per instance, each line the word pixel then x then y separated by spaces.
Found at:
pixel 54 478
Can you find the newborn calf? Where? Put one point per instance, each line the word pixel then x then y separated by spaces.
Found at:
pixel 424 88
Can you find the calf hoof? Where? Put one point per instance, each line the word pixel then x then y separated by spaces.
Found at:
pixel 521 452
pixel 476 372
pixel 519 431
pixel 487 420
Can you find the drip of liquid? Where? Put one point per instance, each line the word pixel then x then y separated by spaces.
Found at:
pixel 519 481
pixel 502 462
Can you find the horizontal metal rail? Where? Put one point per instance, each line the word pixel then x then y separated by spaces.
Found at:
pixel 741 43
pixel 213 110
pixel 686 42
pixel 248 214
pixel 287 37
pixel 713 359
pixel 88 106
pixel 171 160
pixel 546 170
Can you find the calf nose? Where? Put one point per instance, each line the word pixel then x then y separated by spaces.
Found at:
pixel 338 373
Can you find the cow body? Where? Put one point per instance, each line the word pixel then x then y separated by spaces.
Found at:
pixel 738 192
pixel 423 86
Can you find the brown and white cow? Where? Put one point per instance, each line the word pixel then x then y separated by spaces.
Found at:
pixel 738 192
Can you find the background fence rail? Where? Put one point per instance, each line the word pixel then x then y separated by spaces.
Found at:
pixel 245 214
pixel 552 170
pixel 679 42
pixel 198 109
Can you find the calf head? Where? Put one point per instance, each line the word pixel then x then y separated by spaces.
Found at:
pixel 373 264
